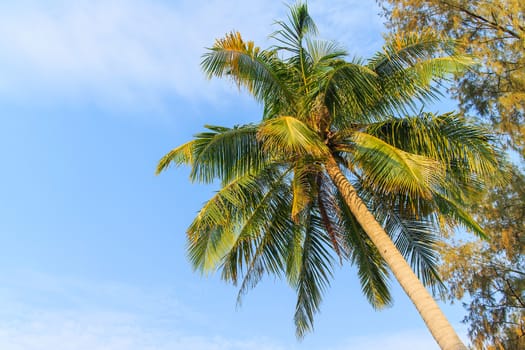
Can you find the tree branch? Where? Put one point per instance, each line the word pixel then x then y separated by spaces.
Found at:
pixel 492 24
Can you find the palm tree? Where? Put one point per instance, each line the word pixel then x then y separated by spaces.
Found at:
pixel 340 168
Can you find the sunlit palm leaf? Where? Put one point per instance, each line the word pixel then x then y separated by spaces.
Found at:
pixel 408 65
pixel 214 231
pixel 290 137
pixel 390 169
pixel 261 72
pixel 403 50
pixel 462 147
pixel 302 191
pixel 178 156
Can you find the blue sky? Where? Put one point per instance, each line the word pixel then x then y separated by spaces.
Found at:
pixel 92 245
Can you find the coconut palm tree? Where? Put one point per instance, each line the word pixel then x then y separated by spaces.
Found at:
pixel 339 168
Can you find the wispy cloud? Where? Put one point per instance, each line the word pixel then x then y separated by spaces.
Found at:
pixel 137 51
pixel 129 51
pixel 43 312
pixel 108 330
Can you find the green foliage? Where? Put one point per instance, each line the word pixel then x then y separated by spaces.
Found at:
pixel 278 212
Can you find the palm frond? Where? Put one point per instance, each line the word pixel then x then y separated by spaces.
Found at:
pixel 265 249
pixel 410 63
pixel 314 277
pixel 260 71
pixel 302 190
pixel 291 33
pixel 215 229
pixel 453 211
pixel 226 153
pixel 322 53
pixel 350 89
pixel 290 138
pixel 329 213
pixel 463 147
pixel 269 256
pixel 389 169
pixel 405 49
pixel 178 156
pixel 416 240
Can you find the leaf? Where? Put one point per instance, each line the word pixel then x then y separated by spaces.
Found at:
pixel 226 153
pixel 178 156
pixel 287 137
pixel 390 169
pixel 314 277
pixel 260 71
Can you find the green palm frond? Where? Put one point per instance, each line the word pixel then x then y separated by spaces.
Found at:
pixel 178 156
pixel 322 53
pixel 408 65
pixel 404 88
pixel 291 33
pixel 388 169
pixel 350 89
pixel 268 248
pixel 290 138
pixel 226 153
pixel 403 50
pixel 264 249
pixel 315 274
pixel 230 224
pixel 260 71
pixel 416 240
pixel 460 145
pixel 214 231
pixel 454 212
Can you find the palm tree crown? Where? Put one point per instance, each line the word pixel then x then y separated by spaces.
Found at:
pixel 332 128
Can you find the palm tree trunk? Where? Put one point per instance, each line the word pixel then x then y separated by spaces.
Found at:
pixel 427 307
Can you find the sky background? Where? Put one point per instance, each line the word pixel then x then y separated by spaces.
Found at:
pixel 92 243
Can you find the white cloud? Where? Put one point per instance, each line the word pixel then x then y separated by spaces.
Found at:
pixel 139 52
pixel 108 331
pixel 128 50
pixel 43 312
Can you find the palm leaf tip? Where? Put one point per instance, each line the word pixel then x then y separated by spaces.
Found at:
pixel 230 56
pixel 178 156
